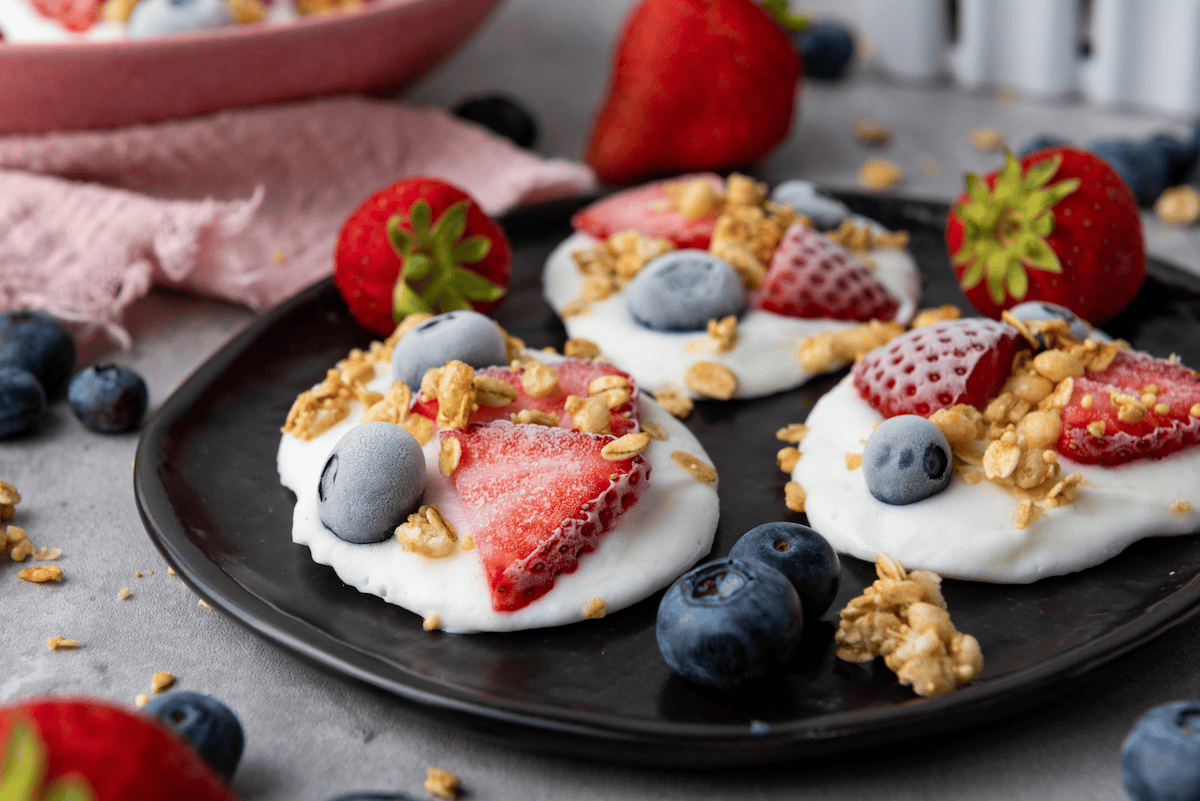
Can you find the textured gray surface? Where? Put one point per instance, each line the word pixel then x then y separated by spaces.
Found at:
pixel 310 736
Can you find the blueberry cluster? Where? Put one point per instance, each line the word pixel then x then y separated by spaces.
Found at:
pixel 37 357
pixel 738 619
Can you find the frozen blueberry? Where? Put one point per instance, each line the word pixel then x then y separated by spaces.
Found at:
pixel 1041 310
pixel 501 115
pixel 108 398
pixel 464 335
pixel 825 212
pixel 373 480
pixel 160 17
pixel 1041 142
pixel 801 554
pixel 211 727
pixel 827 49
pixel 729 622
pixel 1145 166
pixel 21 401
pixel 1160 760
pixel 906 459
pixel 37 342
pixel 683 290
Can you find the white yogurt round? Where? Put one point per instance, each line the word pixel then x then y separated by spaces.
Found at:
pixel 671 526
pixel 969 531
pixel 766 358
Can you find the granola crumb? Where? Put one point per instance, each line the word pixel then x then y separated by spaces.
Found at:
pixel 41 574
pixel 161 681
pixel 203 604
pixel 988 139
pixel 432 622
pixel 578 348
pixel 699 470
pixel 626 447
pixel 872 133
pixel 937 314
pixel 879 174
pixel 123 593
pixel 1179 205
pixel 675 402
pixel 853 461
pixel 794 496
pixel 449 455
pixel 137 573
pixel 1182 506
pixel 786 459
pixel 170 571
pixel 59 643
pixel 467 543
pixel 442 784
pixel 428 533
pixel 793 433
pixel 595 609
pixel 712 380
pixel 141 700
pixel 655 430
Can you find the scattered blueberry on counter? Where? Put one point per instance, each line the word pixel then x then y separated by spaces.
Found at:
pixel 373 480
pixel 800 554
pixel 1041 142
pixel 37 343
pixel 108 398
pixel 1160 760
pixel 827 49
pixel 468 336
pixel 501 115
pixel 906 459
pixel 1151 165
pixel 209 725
pixel 683 290
pixel 21 401
pixel 729 622
pixel 825 212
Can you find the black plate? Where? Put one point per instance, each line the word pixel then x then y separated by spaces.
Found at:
pixel 208 494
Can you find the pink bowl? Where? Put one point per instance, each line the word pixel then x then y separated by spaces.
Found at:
pixel 79 85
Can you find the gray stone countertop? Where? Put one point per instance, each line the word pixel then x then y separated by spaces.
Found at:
pixel 311 736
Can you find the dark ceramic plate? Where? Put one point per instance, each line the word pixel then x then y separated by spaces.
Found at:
pixel 207 491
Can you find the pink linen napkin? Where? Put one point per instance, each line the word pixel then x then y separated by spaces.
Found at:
pixel 244 204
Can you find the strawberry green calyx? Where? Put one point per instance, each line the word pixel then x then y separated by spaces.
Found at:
pixel 432 279
pixel 23 769
pixel 785 16
pixel 1005 228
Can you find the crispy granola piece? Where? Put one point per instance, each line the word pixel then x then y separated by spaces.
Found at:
pixel 626 447
pixel 936 314
pixel 161 681
pixel 428 533
pixel 794 496
pixel 831 350
pixel 853 461
pixel 442 784
pixel 494 392
pixel 595 609
pixel 432 622
pixel 699 199
pixel 655 430
pixel 902 617
pixel 449 455
pixel 870 132
pixel 674 402
pixel 39 574
pixel 699 470
pixel 723 333
pixel 319 409
pixel 1179 205
pixel 392 407
pixel 792 432
pixel 786 459
pixel 539 379
pixel 9 497
pixel 712 380
pixel 862 237
pixel 589 414
pixel 614 390
pixel 961 423
pixel 1182 506
pixel 420 427
pixel 534 417
pixel 578 348
pixel 879 174
pixel 456 395
pixel 60 643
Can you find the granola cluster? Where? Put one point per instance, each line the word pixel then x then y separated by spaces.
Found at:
pixel 16 543
pixel 611 264
pixel 832 350
pixel 902 617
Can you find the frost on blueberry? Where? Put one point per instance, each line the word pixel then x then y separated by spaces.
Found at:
pixel 907 459
pixel 683 290
pixel 467 336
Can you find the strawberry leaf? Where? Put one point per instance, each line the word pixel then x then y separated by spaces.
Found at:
pixel 1037 175
pixel 997 275
pixel 472 249
pixel 417 266
pixel 451 224
pixel 1018 281
pixel 402 242
pixel 1062 189
pixel 785 16
pixel 973 275
pixel 475 286
pixel 421 216
pixel 406 301
pixel 1008 183
pixel 1036 253
pixel 24 765
pixel 69 788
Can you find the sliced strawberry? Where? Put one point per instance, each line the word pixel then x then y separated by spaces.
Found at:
pixel 420 245
pixel 74 15
pixel 813 276
pixel 1157 433
pixel 938 366
pixel 650 209
pixel 574 378
pixel 538 498
pixel 102 751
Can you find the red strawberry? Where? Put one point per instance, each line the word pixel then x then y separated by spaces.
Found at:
pixel 538 498
pixel 651 210
pixel 102 751
pixel 1157 432
pixel 813 276
pixel 74 15
pixel 696 85
pixel 574 378
pixel 1059 226
pixel 938 366
pixel 401 252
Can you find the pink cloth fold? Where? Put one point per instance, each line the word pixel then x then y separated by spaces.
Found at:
pixel 244 204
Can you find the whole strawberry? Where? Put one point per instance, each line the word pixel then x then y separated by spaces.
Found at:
pixel 405 249
pixel 1059 225
pixel 696 85
pixel 56 749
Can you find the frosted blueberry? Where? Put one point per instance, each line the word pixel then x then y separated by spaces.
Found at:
pixel 683 290
pixel 1041 310
pixel 373 480
pixel 804 197
pixel 159 17
pixel 906 459
pixel 1160 760
pixel 468 336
